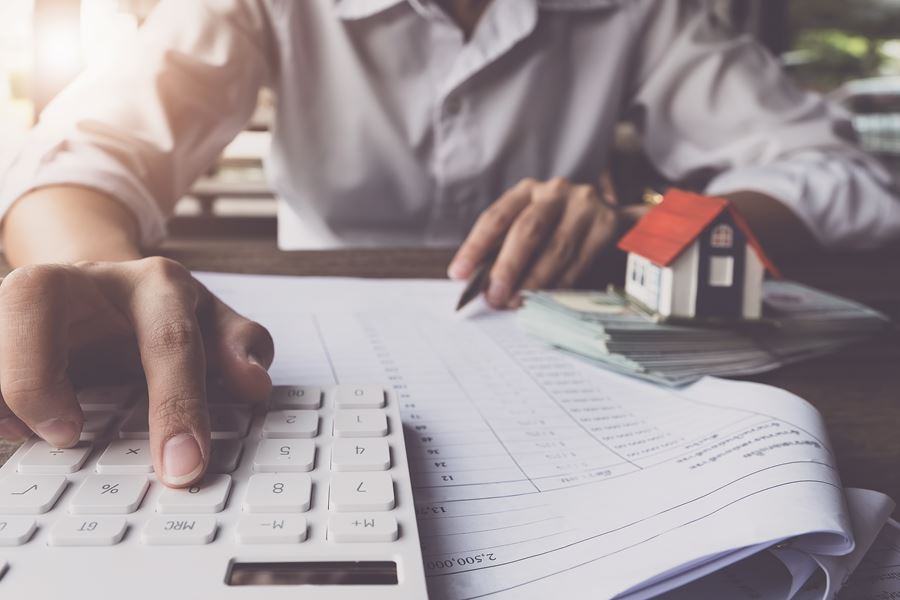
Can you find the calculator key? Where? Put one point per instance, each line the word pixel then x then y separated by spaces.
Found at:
pixel 136 426
pixel 96 424
pixel 30 494
pixel 209 496
pixel 15 531
pixel 126 457
pixel 46 459
pixel 111 397
pixel 224 456
pixel 276 456
pixel 116 494
pixel 360 455
pixel 362 527
pixel 296 396
pixel 87 531
pixel 228 422
pixel 278 492
pixel 360 423
pixel 225 422
pixel 179 531
pixel 359 396
pixel 291 424
pixel 354 492
pixel 274 529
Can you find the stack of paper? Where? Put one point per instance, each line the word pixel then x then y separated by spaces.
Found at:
pixel 536 475
pixel 798 322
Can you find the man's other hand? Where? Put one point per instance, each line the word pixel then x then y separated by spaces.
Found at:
pixel 548 233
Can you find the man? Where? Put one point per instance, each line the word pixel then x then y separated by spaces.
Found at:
pixel 398 122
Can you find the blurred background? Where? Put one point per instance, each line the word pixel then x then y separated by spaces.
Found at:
pixel 849 49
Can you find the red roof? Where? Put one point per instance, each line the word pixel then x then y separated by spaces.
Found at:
pixel 670 227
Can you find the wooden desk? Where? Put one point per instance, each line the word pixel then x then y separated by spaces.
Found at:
pixel 857 390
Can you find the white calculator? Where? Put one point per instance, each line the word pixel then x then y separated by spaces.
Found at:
pixel 309 497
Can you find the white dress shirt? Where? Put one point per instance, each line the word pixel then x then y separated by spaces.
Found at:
pixel 391 128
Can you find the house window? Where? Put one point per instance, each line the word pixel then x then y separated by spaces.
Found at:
pixel 721 271
pixel 722 236
pixel 651 278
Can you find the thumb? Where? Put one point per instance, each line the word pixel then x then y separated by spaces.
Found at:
pixel 243 351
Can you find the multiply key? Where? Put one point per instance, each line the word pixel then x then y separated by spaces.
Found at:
pixel 126 456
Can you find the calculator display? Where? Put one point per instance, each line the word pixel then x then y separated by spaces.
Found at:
pixel 312 573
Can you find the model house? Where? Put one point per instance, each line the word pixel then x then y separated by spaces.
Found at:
pixel 694 256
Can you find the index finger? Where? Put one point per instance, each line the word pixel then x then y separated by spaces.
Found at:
pixel 163 305
pixel 526 237
pixel 490 229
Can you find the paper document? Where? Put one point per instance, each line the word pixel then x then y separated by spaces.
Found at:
pixel 783 573
pixel 878 575
pixel 534 472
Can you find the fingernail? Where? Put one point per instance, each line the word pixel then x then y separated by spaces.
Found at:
pixel 460 268
pixel 182 460
pixel 58 432
pixel 515 302
pixel 13 431
pixel 498 293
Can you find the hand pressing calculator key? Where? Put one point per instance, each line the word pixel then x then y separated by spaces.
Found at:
pixel 309 498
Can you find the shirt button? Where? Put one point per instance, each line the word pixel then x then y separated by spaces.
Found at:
pixel 452 106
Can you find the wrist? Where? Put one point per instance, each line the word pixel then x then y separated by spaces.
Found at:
pixel 68 224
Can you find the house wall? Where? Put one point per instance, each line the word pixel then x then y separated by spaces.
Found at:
pixel 642 280
pixel 665 292
pixel 752 293
pixel 682 296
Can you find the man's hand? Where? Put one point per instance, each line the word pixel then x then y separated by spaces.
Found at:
pixel 64 326
pixel 549 234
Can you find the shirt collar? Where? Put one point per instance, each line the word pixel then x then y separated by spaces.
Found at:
pixel 361 9
pixel 578 4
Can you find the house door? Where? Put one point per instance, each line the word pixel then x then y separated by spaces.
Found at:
pixel 720 277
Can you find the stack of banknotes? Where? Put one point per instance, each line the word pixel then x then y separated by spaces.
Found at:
pixel 799 322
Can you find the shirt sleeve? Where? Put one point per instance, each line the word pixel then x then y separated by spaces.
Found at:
pixel 714 104
pixel 143 127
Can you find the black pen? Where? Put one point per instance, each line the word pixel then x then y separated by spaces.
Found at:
pixel 478 281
